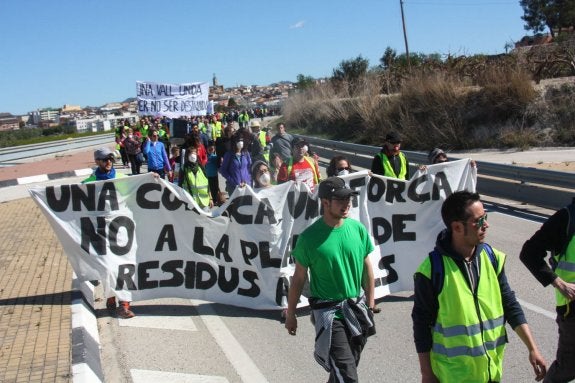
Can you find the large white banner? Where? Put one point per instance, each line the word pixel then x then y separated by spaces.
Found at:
pixel 172 100
pixel 146 238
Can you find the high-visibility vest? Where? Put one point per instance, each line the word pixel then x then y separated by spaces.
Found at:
pixel 565 269
pixel 262 137
pixel 197 186
pixel 311 164
pixel 216 130
pixel 469 334
pixel 389 172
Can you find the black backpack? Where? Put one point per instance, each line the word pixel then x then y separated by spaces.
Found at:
pixel 438 269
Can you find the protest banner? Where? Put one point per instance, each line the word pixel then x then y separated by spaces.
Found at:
pixel 172 100
pixel 146 238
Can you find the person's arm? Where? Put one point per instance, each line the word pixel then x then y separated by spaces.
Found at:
pixel 166 160
pixel 535 358
pixel 368 282
pixel 427 375
pixel 146 146
pixel 295 289
pixel 282 174
pixel 376 166
pixel 424 314
pixel 225 164
pixel 549 237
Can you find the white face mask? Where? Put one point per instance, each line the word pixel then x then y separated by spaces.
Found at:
pixel 265 179
pixel 343 172
pixel 305 148
pixel 193 157
pixel 130 135
pixel 240 145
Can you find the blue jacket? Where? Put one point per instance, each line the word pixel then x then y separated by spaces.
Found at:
pixel 157 156
pixel 236 170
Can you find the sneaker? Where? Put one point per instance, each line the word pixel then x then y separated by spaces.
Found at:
pixel 124 311
pixel 111 303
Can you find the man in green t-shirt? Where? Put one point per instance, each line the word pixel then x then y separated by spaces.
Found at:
pixel 335 249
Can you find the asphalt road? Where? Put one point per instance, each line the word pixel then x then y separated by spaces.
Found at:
pixel 177 340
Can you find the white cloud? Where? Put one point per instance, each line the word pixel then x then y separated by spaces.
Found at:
pixel 297 25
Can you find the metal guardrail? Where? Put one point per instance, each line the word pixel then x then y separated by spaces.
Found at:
pixel 546 188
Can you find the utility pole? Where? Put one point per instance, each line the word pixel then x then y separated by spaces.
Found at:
pixel 405 35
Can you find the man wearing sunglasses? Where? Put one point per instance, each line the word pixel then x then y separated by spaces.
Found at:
pixel 391 162
pixel 105 170
pixel 459 327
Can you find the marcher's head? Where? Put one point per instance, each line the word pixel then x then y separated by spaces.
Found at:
pixel 393 142
pixel 175 151
pixel 104 159
pixel 437 156
pixel 335 197
pixel 299 148
pixel 255 126
pixel 463 214
pixel 195 128
pixel 281 128
pixel 261 175
pixel 153 134
pixel 211 147
pixel 338 166
pixel 192 154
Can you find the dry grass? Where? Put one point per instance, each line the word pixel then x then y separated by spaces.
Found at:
pixel 500 108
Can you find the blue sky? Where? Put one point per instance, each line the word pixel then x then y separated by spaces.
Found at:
pixel 90 52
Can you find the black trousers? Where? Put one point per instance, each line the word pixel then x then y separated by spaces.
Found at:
pixel 563 368
pixel 344 355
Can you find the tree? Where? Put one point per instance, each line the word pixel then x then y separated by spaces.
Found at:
pixel 552 14
pixel 232 103
pixel 304 82
pixel 388 58
pixel 351 70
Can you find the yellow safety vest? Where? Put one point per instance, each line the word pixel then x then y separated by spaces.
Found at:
pixel 565 270
pixel 197 186
pixel 389 172
pixel 469 335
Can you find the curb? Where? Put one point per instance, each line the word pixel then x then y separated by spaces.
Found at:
pixel 86 364
pixel 46 177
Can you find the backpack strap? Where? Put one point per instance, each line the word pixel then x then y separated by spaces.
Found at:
pixel 492 258
pixel 437 271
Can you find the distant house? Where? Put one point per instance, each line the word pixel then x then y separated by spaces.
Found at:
pixel 539 39
pixel 9 122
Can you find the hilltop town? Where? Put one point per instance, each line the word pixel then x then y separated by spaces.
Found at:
pixel 105 117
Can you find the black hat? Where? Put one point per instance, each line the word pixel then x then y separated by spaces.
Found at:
pixel 298 141
pixel 334 187
pixel 393 136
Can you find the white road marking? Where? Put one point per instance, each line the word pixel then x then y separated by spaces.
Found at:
pixel 149 376
pixel 160 321
pixel 537 309
pixel 244 366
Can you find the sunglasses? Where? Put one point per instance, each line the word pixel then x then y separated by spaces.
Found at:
pixel 480 222
pixel 342 169
pixel 395 142
pixel 107 159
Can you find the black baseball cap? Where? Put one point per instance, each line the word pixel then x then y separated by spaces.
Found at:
pixel 334 187
pixel 393 136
